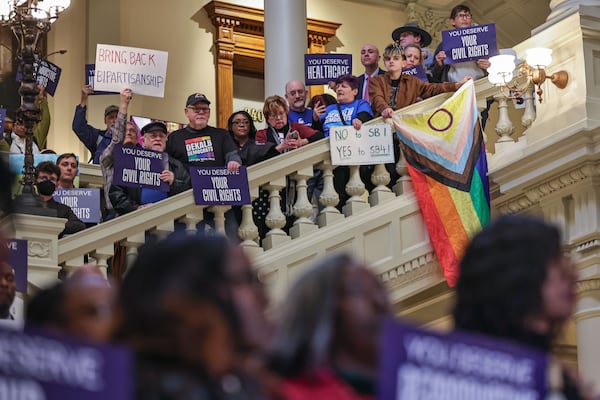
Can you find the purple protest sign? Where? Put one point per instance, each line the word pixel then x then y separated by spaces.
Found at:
pixel 217 186
pixel 17 259
pixel 417 71
pixel 2 117
pixel 37 365
pixel 85 203
pixel 138 167
pixel 90 71
pixel 472 43
pixel 417 364
pixel 48 75
pixel 322 68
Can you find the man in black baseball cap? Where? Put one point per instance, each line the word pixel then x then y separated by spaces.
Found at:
pixel 125 199
pixel 199 144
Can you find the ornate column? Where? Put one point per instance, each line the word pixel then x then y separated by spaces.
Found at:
pixel 285 42
pixel 587 318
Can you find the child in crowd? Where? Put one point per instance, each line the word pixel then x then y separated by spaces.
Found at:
pixel 393 90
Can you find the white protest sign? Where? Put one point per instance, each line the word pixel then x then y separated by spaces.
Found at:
pixel 142 70
pixel 372 144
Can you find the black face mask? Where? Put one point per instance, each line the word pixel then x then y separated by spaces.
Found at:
pixel 45 188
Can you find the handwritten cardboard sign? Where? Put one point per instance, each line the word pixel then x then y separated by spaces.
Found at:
pixel 217 186
pixel 417 71
pixel 85 203
pixel 322 68
pixel 420 365
pixel 372 144
pixel 142 70
pixel 35 365
pixel 138 167
pixel 472 43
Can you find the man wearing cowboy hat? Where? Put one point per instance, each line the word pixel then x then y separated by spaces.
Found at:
pixel 411 33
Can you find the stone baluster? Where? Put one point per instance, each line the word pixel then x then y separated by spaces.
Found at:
pixel 74 263
pixel 504 127
pixel 248 232
pixel 219 212
pixel 381 193
pixel 328 198
pixel 132 243
pixel 404 184
pixel 303 208
pixel 356 189
pixel 529 114
pixel 102 255
pixel 275 219
pixel 191 220
pixel 164 230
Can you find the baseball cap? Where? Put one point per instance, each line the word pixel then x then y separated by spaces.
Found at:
pixel 110 109
pixel 196 98
pixel 154 126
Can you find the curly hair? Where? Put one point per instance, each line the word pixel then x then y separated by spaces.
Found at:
pixel 501 277
pixel 251 129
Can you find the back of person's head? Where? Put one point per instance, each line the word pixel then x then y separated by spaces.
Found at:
pixel 393 49
pixel 45 310
pixel 459 8
pixel 273 104
pixel 48 167
pixel 159 294
pixel 501 276
pixel 312 316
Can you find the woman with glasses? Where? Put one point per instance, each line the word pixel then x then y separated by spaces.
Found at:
pixel 286 136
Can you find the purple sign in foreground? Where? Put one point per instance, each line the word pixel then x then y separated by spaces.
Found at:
pixel 17 259
pixel 472 43
pixel 215 186
pixel 90 71
pixel 322 68
pixel 138 167
pixel 418 71
pixel 2 117
pixel 419 365
pixel 39 366
pixel 85 203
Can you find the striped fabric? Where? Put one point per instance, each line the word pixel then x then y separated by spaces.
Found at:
pixel 445 155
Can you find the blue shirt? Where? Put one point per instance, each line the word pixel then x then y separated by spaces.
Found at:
pixel 332 118
pixel 148 196
pixel 304 118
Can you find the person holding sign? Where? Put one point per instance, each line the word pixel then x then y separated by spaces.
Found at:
pixel 327 340
pixel 394 90
pixel 46 178
pixel 516 284
pixel 460 17
pixel 130 198
pixel 96 140
pixel 14 141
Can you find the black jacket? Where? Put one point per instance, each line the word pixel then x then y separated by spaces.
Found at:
pixel 73 224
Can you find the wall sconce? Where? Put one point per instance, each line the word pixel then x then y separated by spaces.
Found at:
pixel 502 67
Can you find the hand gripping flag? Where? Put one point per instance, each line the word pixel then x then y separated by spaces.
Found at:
pixel 445 155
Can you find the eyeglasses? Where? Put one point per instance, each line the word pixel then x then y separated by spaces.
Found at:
pixel 240 122
pixel 132 130
pixel 463 16
pixel 199 109
pixel 299 92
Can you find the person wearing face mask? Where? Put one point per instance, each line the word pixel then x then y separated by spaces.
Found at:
pixel 46 177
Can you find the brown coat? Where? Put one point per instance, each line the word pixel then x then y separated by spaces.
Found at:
pixel 409 90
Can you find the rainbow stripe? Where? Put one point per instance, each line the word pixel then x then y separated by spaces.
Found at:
pixel 446 160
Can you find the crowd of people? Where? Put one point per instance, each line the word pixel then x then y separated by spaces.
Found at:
pixel 193 310
pixel 291 124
